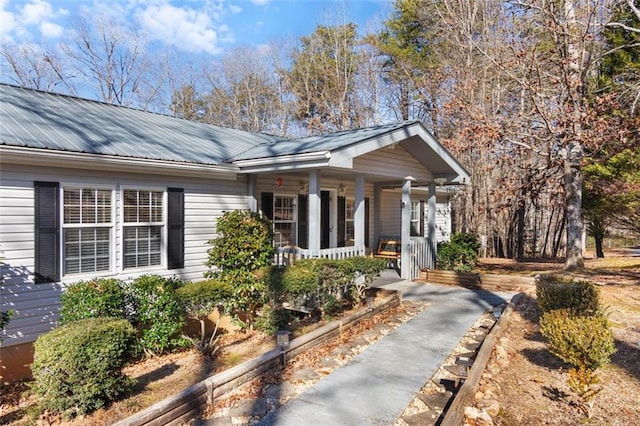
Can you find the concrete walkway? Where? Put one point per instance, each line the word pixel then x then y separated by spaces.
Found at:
pixel 376 386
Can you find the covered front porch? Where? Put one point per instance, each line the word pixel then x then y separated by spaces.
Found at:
pixel 337 196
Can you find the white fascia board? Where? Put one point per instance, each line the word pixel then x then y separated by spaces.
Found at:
pixel 342 156
pixel 285 162
pixel 81 160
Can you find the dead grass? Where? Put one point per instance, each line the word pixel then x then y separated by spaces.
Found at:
pixel 530 383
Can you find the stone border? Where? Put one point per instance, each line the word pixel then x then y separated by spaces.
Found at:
pixel 455 413
pixel 186 404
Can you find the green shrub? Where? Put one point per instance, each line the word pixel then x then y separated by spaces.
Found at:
pixel 272 319
pixel 157 313
pixel 243 247
pixel 581 297
pixel 300 279
pixel 582 341
pixel 102 297
pixel 460 254
pixel 77 367
pixel 5 317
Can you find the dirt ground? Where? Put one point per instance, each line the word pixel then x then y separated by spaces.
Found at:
pixel 530 384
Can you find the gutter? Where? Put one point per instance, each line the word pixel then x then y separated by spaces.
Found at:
pixel 284 162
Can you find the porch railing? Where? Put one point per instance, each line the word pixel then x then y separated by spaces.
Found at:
pixel 288 255
pixel 421 256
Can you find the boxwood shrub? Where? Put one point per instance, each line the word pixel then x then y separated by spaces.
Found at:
pixel 77 367
pixel 102 297
pixel 581 297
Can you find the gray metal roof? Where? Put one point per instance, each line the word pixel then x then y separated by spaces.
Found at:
pixel 35 119
pixel 328 142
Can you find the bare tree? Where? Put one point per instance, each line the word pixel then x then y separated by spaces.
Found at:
pixel 111 58
pixel 36 67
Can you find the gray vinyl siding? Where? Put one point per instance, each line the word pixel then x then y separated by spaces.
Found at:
pixel 395 163
pixel 36 306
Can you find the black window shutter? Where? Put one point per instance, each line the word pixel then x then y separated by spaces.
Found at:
pixel 342 204
pixel 422 218
pixel 366 221
pixel 47 232
pixel 303 222
pixel 175 224
pixel 267 205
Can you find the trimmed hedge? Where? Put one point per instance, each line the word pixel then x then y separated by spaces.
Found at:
pixel 102 297
pixel 581 297
pixel 77 367
pixel 585 342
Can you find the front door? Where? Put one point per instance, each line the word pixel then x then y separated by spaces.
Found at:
pixel 325 219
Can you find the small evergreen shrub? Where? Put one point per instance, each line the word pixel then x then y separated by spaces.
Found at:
pixel 5 317
pixel 156 313
pixel 460 254
pixel 102 297
pixel 582 341
pixel 273 319
pixel 243 247
pixel 77 367
pixel 581 297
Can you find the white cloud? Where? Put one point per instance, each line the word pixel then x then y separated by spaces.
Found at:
pixel 36 12
pixel 186 28
pixel 235 9
pixel 26 19
pixel 51 30
pixel 260 2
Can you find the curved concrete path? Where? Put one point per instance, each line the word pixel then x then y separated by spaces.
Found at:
pixel 376 386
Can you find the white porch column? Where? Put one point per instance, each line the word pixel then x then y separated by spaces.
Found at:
pixel 431 225
pixel 377 225
pixel 252 199
pixel 405 233
pixel 358 217
pixel 314 210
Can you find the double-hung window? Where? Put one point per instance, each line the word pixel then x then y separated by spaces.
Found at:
pixel 349 230
pixel 284 220
pixel 87 228
pixel 417 219
pixel 143 222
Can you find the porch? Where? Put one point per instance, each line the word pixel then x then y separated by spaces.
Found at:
pixel 336 196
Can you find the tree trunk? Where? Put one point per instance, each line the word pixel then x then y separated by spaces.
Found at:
pixel 573 193
pixel 599 251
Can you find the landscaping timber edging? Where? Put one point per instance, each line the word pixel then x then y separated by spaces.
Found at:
pixel 464 396
pixel 475 280
pixel 186 404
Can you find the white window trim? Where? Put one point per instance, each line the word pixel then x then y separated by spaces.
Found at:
pixel 295 215
pixel 112 225
pixel 121 225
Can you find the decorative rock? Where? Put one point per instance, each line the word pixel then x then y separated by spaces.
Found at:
pixel 500 351
pixel 491 406
pixel 471 413
pixel 478 396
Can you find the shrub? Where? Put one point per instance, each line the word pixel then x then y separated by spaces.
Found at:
pixel 273 319
pixel 582 341
pixel 5 317
pixel 157 313
pixel 581 297
pixel 460 254
pixel 200 299
pixel 77 367
pixel 244 245
pixel 102 297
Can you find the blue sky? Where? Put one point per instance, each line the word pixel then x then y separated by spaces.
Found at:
pixel 194 26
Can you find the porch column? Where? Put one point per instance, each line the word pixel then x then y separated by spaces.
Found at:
pixel 252 199
pixel 377 225
pixel 314 210
pixel 431 225
pixel 358 216
pixel 405 233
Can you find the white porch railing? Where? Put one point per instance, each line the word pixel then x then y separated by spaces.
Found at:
pixel 288 255
pixel 421 256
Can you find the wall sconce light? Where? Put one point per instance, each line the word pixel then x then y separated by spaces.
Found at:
pixel 302 188
pixel 341 189
pixel 279 181
pixel 440 181
pixel 403 204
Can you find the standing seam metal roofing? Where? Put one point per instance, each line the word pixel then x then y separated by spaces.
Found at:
pixel 36 119
pixel 319 143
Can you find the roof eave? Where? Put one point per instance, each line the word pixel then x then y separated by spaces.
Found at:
pixel 81 160
pixel 284 162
